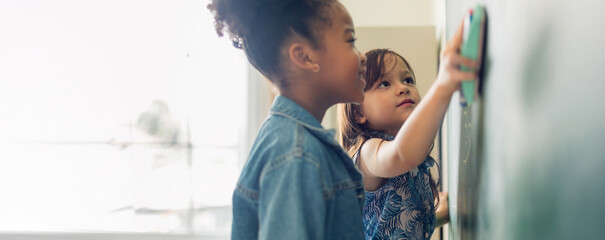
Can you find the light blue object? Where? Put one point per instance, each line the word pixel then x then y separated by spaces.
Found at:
pixel 294 162
pixel 471 46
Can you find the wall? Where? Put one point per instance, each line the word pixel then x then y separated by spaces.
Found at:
pixel 391 13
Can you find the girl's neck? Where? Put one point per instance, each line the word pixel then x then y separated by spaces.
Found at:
pixel 393 132
pixel 312 104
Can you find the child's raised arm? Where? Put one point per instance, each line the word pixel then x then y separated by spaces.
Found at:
pixel 413 142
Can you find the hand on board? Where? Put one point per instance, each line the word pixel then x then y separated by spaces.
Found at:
pixel 450 76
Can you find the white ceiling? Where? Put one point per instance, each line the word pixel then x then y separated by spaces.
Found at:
pixel 393 12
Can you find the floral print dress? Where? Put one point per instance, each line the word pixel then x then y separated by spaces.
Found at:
pixel 403 208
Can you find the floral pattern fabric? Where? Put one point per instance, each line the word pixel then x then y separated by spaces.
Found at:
pixel 403 208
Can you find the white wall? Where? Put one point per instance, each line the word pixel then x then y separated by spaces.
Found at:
pixel 390 13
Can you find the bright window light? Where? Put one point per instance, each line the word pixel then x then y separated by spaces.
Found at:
pixel 118 116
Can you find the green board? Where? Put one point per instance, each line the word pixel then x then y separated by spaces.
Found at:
pixel 526 160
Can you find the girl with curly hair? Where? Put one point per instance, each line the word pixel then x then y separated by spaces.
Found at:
pixel 298 183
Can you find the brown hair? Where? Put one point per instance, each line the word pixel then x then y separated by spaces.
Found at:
pixel 353 134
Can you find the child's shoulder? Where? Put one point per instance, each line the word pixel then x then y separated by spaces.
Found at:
pixel 369 147
pixel 280 143
pixel 278 128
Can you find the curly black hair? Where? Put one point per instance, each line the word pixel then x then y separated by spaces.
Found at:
pixel 261 27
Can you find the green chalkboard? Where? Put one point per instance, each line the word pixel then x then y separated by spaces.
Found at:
pixel 527 158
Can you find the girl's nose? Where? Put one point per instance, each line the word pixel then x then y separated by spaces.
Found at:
pixel 362 57
pixel 403 89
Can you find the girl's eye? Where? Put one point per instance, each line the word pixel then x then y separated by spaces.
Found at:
pixel 384 84
pixel 409 80
pixel 352 40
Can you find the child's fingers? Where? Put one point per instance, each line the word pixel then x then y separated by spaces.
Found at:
pixel 456 40
pixel 459 75
pixel 459 60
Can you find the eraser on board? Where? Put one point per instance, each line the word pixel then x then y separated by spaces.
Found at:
pixel 472 45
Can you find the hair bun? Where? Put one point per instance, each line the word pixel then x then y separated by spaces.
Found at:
pixel 261 26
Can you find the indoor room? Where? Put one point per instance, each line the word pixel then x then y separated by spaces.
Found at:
pixel 135 120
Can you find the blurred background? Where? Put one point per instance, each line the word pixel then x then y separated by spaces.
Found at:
pixel 131 119
pixel 134 117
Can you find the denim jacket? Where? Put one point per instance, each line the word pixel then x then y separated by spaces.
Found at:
pixel 298 183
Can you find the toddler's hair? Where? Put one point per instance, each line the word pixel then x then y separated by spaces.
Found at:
pixel 262 27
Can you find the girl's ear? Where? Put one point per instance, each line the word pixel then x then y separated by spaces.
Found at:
pixel 302 56
pixel 359 116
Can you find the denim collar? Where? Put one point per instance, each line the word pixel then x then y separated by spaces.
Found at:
pixel 285 107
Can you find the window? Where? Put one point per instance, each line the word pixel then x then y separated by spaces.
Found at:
pixel 119 116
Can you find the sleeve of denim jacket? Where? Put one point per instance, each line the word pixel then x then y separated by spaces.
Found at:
pixel 291 203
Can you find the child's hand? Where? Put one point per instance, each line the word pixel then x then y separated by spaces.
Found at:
pixel 450 75
pixel 443 198
pixel 443 212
